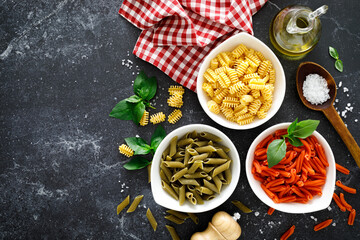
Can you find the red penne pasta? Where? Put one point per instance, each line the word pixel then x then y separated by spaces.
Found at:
pixel 347 206
pixel 288 233
pixel 338 202
pixel 322 225
pixel 352 217
pixel 342 169
pixel 271 211
pixel 345 188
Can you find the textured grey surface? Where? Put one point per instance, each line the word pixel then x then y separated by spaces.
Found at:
pixel 61 176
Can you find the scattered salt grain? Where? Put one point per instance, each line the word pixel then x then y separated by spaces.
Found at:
pixel 356 120
pixel 236 216
pixel 334 224
pixel 313 218
pixel 346 89
pixel 257 214
pixel 340 83
pixel 315 89
pixel 329 208
pixel 336 100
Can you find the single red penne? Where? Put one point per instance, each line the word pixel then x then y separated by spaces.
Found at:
pixel 314 183
pixel 292 176
pixel 319 165
pixel 314 167
pixel 345 188
pixel 297 191
pixel 275 183
pixel 264 141
pixel 322 225
pixel 263 157
pixel 302 200
pixel 321 154
pixel 283 193
pixel 284 173
pixel 267 191
pixel 260 151
pixel 291 198
pixel 347 206
pixel 271 211
pixel 257 166
pixel 280 132
pixel 315 189
pixel 338 202
pixel 288 233
pixel 352 217
pixel 291 166
pixel 307 147
pixel 307 193
pixel 342 169
pixel 278 188
pixel 258 178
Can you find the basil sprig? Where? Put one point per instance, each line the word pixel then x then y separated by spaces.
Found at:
pixel 132 108
pixel 338 63
pixel 296 131
pixel 140 147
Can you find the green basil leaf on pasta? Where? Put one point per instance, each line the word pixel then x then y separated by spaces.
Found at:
pixel 305 128
pixel 139 145
pixel 133 99
pixel 136 163
pixel 339 65
pixel 145 87
pixel 157 137
pixel 295 141
pixel 138 112
pixel 292 127
pixel 123 110
pixel 333 53
pixel 276 151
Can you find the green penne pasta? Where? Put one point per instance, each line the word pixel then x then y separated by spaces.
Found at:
pixel 192 151
pixel 201 143
pixel 185 142
pixel 166 152
pixel 215 161
pixel 172 232
pixel 172 164
pixel 228 176
pixel 179 154
pixel 197 164
pixel 210 136
pixel 218 183
pixel 205 149
pixel 194 218
pixel 208 197
pixel 226 149
pixel 151 219
pixel 175 187
pixel 149 172
pixel 222 153
pixel 204 190
pixel 221 168
pixel 179 174
pixel 198 157
pixel 123 204
pixel 182 195
pixel 173 143
pixel 207 169
pixel 169 190
pixel 166 171
pixel 177 214
pixel 164 177
pixel 186 181
pixel 135 203
pixel 211 186
pixel 196 175
pixel 174 219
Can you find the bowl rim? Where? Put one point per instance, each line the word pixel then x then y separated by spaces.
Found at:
pixel 317 203
pixel 280 88
pixel 164 199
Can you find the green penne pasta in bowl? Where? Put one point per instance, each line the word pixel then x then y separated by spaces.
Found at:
pixel 196 168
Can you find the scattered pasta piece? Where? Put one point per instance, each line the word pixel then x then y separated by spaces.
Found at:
pixel 345 188
pixel 172 232
pixel 342 169
pixel 194 218
pixel 123 204
pixel 176 89
pixel 157 118
pixel 174 219
pixel 175 101
pixel 352 217
pixel 213 107
pixel 288 233
pixel 174 116
pixel 135 203
pixel 241 206
pixel 271 211
pixel 126 150
pixel 144 119
pixel 322 225
pixel 151 219
pixel 149 172
pixel 338 202
pixel 343 201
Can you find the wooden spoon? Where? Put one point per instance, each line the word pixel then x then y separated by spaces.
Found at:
pixel 327 108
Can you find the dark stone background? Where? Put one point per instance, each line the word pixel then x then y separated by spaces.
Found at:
pixel 61 176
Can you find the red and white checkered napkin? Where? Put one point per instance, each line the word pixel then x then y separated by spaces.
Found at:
pixel 178 34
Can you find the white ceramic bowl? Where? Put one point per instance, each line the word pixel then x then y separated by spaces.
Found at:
pixel 228 45
pixel 164 199
pixel 318 202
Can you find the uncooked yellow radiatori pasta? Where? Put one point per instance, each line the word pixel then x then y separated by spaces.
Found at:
pixel 157 118
pixel 240 85
pixel 175 116
pixel 194 169
pixel 144 119
pixel 126 150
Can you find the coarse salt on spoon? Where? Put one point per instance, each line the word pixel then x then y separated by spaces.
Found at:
pixel 327 107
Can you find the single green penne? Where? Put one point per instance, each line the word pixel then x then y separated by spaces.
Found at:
pixel 221 168
pixel 189 195
pixel 174 219
pixel 207 169
pixel 228 176
pixel 210 136
pixel 123 204
pixel 185 181
pixel 164 177
pixel 186 158
pixel 166 152
pixel 211 186
pixel 173 143
pixel 151 219
pixel 226 149
pixel 135 203
pixel 171 164
pixel 194 134
pixel 197 164
pixel 194 218
pixel 179 174
pixel 175 187
pixel 180 159
pixel 200 143
pixel 217 182
pixel 215 161
pixel 241 206
pixel 222 153
pixel 198 157
pixel 172 232
pixel 204 190
pixel 169 190
pixel 179 154
pixel 182 195
pixel 192 151
pixel 191 188
pixel 149 172
pixel 185 142
pixel 177 214
pixel 166 171
pixel 198 198
pixel 205 149
pixel 209 197
pixel 196 175
pixel 221 177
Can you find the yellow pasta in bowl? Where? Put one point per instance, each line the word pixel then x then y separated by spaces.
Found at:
pixel 242 71
pixel 195 169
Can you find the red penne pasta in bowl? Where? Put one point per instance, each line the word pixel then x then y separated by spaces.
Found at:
pixel 302 182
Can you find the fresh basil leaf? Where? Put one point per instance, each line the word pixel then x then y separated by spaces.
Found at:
pixel 133 99
pixel 295 141
pixel 339 65
pixel 138 145
pixel 157 137
pixel 333 53
pixel 305 128
pixel 145 87
pixel 292 126
pixel 138 112
pixel 123 110
pixel 136 163
pixel 276 151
